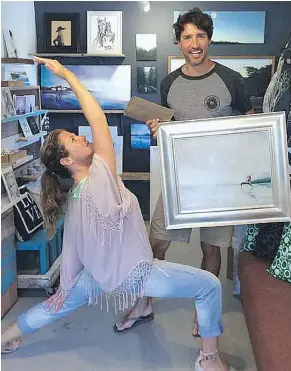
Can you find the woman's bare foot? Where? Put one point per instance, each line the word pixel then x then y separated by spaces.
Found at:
pixel 142 308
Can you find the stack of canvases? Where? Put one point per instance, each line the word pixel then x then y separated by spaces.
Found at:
pixel 265 277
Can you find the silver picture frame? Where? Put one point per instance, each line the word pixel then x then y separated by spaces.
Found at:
pixel 225 171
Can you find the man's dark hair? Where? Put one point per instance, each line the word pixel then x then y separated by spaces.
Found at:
pixel 195 16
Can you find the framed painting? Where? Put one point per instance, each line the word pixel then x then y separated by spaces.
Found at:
pixel 140 136
pixel 257 71
pixel 10 183
pixel 104 32
pixel 61 33
pixel 146 47
pixel 109 85
pixel 146 80
pixel 225 171
pixel 235 27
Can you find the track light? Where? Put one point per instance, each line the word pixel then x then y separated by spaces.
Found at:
pixel 145 5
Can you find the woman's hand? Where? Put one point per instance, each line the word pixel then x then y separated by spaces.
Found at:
pixel 55 67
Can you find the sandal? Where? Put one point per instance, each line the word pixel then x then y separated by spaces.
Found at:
pixel 10 347
pixel 207 356
pixel 138 321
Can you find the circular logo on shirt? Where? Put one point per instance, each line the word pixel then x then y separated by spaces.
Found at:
pixel 211 103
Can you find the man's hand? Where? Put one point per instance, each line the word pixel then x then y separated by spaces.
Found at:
pixel 153 125
pixel 55 67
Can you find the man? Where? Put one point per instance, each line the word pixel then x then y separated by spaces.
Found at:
pixel 199 89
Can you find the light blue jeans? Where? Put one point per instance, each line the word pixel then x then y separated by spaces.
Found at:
pixel 166 280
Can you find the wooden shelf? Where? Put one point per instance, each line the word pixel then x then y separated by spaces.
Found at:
pixel 78 55
pixel 31 87
pixel 18 141
pixel 135 176
pixel 80 111
pixel 17 60
pixel 25 115
pixel 22 161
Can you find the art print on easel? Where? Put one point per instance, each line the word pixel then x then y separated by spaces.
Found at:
pixel 10 183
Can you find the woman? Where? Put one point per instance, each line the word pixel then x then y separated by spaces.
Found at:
pixel 106 252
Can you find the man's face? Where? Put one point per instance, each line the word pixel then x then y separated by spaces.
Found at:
pixel 194 44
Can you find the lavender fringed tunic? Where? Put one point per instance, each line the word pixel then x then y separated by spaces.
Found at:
pixel 104 233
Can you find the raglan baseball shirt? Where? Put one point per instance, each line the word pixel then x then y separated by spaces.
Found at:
pixel 220 92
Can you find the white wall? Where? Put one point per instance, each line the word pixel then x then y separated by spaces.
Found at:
pixel 19 17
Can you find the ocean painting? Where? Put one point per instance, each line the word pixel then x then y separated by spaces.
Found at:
pixel 236 27
pixel 109 85
pixel 140 136
pixel 226 172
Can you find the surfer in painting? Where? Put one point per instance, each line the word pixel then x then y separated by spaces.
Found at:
pixel 248 181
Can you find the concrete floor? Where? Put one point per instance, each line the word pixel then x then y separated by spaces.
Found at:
pixel 84 340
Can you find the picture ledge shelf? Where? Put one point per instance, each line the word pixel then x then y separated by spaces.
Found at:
pixel 79 55
pixel 17 117
pixel 80 111
pixel 17 60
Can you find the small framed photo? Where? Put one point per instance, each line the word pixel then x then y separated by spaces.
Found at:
pixel 33 124
pixel 29 103
pixel 20 104
pixel 7 105
pixel 225 171
pixel 10 183
pixel 25 127
pixel 104 32
pixel 146 47
pixel 62 33
pixel 140 136
pixel 146 80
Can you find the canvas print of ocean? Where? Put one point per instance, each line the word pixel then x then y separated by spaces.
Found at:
pixel 140 136
pixel 236 27
pixel 228 172
pixel 109 85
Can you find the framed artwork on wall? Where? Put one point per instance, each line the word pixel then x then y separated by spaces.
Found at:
pixel 10 183
pixel 104 32
pixel 146 47
pixel 257 71
pixel 61 33
pixel 235 27
pixel 109 85
pixel 140 136
pixel 7 104
pixel 146 80
pixel 210 179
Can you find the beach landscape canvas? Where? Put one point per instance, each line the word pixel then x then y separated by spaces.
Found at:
pixel 225 171
pixel 226 174
pixel 109 85
pixel 236 27
pixel 140 136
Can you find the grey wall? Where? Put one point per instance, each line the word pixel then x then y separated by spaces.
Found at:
pixel 158 21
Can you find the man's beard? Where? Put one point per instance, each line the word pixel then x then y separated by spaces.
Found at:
pixel 192 62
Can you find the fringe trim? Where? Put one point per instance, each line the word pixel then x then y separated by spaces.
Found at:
pixel 102 226
pixel 123 297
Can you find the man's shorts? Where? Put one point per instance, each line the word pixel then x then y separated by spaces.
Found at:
pixel 217 236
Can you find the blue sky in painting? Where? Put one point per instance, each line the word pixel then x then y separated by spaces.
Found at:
pixel 139 129
pixel 242 27
pixel 111 81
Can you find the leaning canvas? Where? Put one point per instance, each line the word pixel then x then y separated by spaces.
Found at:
pixel 225 171
pixel 109 85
